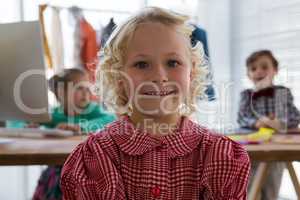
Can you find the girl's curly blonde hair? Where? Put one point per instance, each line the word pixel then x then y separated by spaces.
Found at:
pixel 113 57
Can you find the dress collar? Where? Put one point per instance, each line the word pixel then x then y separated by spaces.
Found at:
pixel 134 141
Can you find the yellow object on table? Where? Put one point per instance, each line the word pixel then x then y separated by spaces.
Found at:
pixel 262 135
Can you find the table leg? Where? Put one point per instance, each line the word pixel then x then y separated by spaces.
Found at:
pixel 294 178
pixel 258 180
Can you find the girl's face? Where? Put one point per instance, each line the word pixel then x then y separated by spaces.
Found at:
pixel 81 92
pixel 159 64
pixel 78 93
pixel 261 72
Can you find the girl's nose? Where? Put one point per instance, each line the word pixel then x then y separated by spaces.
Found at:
pixel 160 75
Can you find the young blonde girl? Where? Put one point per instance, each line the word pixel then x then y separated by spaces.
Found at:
pixel 151 76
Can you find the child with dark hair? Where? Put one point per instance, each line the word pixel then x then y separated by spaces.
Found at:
pixel 76 113
pixel 267 105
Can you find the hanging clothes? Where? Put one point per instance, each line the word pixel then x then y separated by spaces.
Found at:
pixel 74 22
pixel 55 38
pixel 89 48
pixel 107 30
pixel 85 44
pixel 200 35
pixel 47 53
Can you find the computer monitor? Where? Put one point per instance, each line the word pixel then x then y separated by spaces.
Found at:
pixel 23 83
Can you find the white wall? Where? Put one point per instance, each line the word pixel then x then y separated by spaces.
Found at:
pixel 214 17
pixel 10 12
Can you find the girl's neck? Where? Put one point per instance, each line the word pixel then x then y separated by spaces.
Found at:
pixel 156 126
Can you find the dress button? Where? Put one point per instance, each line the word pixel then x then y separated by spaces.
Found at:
pixel 155 191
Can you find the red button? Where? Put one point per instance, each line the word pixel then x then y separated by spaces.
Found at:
pixel 155 191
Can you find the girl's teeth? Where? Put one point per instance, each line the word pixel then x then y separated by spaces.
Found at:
pixel 162 93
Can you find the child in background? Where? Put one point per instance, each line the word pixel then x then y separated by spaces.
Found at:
pixel 154 150
pixel 77 113
pixel 267 105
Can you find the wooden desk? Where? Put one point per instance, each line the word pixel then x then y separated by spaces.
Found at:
pixel 46 151
pixel 24 151
pixel 274 152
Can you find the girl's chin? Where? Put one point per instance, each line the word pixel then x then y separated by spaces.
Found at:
pixel 156 109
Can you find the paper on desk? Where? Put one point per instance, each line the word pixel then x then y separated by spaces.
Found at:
pixel 5 141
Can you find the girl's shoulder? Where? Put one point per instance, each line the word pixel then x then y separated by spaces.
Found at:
pixel 94 166
pixel 224 162
pixel 217 146
pixel 99 146
pixel 108 139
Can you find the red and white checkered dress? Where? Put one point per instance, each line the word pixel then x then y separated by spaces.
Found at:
pixel 122 162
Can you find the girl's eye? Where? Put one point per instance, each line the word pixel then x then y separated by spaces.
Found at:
pixel 141 64
pixel 82 88
pixel 253 69
pixel 172 63
pixel 265 67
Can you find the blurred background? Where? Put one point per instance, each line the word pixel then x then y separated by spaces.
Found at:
pixel 233 28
